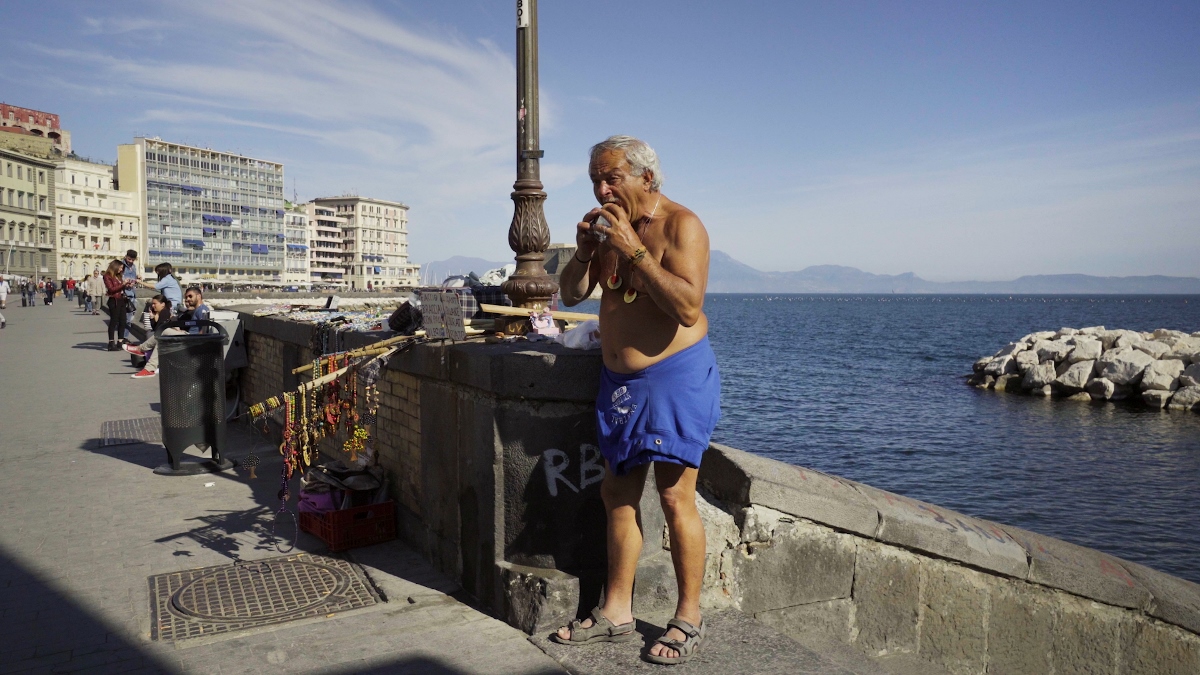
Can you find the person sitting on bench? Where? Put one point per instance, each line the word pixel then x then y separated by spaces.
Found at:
pixel 196 310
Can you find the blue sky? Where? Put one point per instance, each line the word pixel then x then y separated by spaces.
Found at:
pixel 954 140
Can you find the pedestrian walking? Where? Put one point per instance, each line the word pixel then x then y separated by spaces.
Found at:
pixel 69 288
pixel 50 289
pixel 4 288
pixel 114 287
pixel 95 292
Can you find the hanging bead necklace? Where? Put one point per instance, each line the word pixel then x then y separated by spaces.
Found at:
pixel 614 282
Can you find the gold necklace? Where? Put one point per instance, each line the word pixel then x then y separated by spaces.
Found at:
pixel 614 282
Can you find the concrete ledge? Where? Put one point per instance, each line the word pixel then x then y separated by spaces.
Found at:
pixel 1081 571
pixel 743 479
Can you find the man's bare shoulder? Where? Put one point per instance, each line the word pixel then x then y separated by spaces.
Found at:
pixel 681 223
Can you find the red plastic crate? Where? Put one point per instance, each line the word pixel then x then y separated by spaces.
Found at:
pixel 354 527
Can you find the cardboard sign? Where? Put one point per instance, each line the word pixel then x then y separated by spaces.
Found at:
pixel 452 317
pixel 432 315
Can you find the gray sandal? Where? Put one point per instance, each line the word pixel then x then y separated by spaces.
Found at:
pixel 687 648
pixel 601 630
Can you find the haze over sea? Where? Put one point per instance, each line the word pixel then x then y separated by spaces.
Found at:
pixel 871 388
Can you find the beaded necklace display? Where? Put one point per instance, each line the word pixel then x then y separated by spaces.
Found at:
pixel 614 282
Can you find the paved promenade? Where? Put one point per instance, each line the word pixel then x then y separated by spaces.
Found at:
pixel 84 526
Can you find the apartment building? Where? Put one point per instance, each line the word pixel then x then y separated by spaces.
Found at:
pixel 216 216
pixel 325 245
pixel 36 123
pixel 295 255
pixel 95 222
pixel 375 241
pixel 27 231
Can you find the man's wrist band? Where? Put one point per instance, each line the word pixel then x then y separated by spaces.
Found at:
pixel 638 254
pixel 578 259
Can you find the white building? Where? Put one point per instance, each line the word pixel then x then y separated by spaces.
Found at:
pixel 96 223
pixel 26 215
pixel 295 255
pixel 325 247
pixel 216 216
pixel 375 238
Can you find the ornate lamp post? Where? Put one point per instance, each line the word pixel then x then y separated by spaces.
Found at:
pixel 529 235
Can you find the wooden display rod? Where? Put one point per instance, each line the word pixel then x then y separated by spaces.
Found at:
pixel 520 311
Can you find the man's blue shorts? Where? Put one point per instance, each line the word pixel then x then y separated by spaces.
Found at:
pixel 664 413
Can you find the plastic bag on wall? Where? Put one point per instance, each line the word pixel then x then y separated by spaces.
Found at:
pixel 584 336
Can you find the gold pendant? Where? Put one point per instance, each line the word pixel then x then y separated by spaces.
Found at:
pixel 614 282
pixel 630 295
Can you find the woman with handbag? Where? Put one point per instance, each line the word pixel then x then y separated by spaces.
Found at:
pixel 114 290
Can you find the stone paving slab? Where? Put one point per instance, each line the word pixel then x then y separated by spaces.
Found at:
pixel 84 526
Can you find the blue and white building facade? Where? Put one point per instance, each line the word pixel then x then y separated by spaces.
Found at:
pixel 216 216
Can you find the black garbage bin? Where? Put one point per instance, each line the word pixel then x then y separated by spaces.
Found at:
pixel 191 385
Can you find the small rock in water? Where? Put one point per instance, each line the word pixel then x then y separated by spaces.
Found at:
pixel 1156 398
pixel 1127 367
pixel 1026 360
pixel 1190 377
pixel 1076 376
pixel 1153 348
pixel 1009 382
pixel 1044 391
pixel 1162 375
pixel 1082 396
pixel 1186 398
pixel 1085 350
pixel 981 364
pixel 1002 365
pixel 1039 376
pixel 1101 388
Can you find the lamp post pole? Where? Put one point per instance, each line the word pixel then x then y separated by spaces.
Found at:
pixel 528 235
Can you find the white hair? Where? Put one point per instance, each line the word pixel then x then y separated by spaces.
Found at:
pixel 638 154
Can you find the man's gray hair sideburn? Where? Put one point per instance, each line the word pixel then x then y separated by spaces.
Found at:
pixel 640 156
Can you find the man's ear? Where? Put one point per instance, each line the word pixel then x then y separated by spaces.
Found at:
pixel 648 176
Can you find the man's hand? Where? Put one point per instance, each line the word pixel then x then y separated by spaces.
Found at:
pixel 621 235
pixel 585 242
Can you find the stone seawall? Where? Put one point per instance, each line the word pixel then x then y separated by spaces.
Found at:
pixel 490 456
pixel 1160 369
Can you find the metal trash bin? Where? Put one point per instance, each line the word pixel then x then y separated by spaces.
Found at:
pixel 191 385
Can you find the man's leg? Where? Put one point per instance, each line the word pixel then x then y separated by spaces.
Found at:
pixel 677 493
pixel 621 495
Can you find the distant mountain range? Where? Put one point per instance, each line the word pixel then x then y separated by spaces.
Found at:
pixel 727 275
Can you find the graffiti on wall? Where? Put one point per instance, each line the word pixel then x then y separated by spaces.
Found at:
pixel 560 471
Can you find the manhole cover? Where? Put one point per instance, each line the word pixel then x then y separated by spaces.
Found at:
pixel 227 598
pixel 125 432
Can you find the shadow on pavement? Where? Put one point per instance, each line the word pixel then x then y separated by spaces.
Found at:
pixel 421 665
pixel 98 346
pixel 46 631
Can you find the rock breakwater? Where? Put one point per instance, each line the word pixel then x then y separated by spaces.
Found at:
pixel 1161 369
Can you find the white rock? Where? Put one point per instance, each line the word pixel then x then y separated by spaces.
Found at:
pixel 1156 398
pixel 1128 339
pixel 1026 360
pixel 1101 388
pixel 1196 334
pixel 1076 375
pixel 1001 366
pixel 1162 375
pixel 1085 350
pixel 981 364
pixel 1166 332
pixel 1153 348
pixel 1039 376
pixel 1052 349
pixel 1011 348
pixel 1092 330
pixel 1110 337
pixel 1126 368
pixel 1044 391
pixel 1064 332
pixel 1190 377
pixel 1187 348
pixel 1010 382
pixel 1185 399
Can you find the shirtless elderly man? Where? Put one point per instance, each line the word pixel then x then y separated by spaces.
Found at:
pixel 660 391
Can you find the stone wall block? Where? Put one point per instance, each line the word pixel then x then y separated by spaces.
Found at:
pixel 1089 637
pixel 654 589
pixel 913 524
pixel 740 479
pixel 1020 629
pixel 887 596
pixel 803 563
pixel 537 600
pixel 827 620
pixel 954 609
pixel 1159 649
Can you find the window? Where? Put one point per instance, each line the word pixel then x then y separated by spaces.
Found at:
pixel 10 169
pixel 20 170
pixel 42 177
